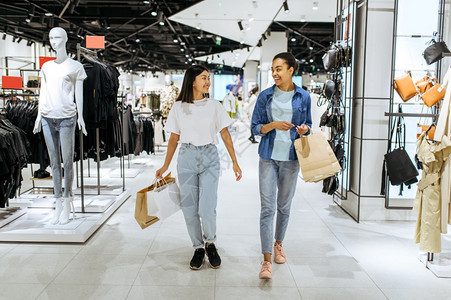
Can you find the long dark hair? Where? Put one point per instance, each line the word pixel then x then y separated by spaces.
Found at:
pixel 186 94
pixel 289 59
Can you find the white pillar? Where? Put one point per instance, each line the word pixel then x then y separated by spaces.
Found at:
pixel 250 75
pixel 274 44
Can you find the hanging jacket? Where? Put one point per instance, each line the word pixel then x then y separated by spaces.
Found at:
pixel 444 129
pixel 427 201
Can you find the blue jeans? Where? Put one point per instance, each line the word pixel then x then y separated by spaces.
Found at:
pixel 277 180
pixel 59 136
pixel 198 175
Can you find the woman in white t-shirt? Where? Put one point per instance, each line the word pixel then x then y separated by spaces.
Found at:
pixel 194 122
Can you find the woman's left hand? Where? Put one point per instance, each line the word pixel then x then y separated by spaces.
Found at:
pixel 237 171
pixel 303 129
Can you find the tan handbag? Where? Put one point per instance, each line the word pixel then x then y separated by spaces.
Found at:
pixel 433 95
pixel 423 128
pixel 405 87
pixel 425 83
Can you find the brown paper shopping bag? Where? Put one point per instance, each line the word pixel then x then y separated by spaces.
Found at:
pixel 316 158
pixel 141 216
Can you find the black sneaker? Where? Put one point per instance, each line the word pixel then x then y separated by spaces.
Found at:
pixel 198 259
pixel 213 256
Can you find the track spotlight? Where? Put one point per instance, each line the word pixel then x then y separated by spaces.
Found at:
pixel 29 43
pixel 160 18
pixel 107 24
pixel 4 36
pixel 264 36
pixel 51 22
pixel 302 18
pixel 293 39
pixel 240 25
pixel 138 40
pixel 14 39
pixel 175 39
pixel 41 19
pixel 31 10
pixel 200 35
pixel 315 6
pixel 285 6
pixel 259 44
pixel 19 40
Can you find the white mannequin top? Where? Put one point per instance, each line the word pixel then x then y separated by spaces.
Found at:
pixel 57 97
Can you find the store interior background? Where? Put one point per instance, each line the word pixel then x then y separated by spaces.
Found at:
pixel 358 208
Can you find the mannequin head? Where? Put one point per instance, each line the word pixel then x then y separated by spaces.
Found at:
pixel 168 79
pixel 58 39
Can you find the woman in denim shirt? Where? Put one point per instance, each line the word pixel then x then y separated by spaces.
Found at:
pixel 281 115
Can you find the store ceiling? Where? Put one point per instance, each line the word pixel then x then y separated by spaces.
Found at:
pixel 135 39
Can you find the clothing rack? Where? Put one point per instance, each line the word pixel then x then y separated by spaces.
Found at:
pixel 92 56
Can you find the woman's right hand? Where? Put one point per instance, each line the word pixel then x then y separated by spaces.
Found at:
pixel 159 173
pixel 283 125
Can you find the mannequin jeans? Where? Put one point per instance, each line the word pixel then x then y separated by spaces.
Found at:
pixel 198 175
pixel 277 180
pixel 59 136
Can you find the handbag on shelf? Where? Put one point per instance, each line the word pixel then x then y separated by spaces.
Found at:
pixel 425 83
pixel 329 89
pixel 433 95
pixel 422 127
pixel 331 59
pixel 434 52
pixel 397 163
pixel 405 87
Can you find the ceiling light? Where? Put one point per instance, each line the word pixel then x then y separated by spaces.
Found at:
pixel 251 18
pixel 190 59
pixel 182 49
pixel 186 55
pixel 154 13
pixel 218 38
pixel 146 2
pixel 285 7
pixel 293 39
pixel 28 20
pixel 198 26
pixel 161 18
pixel 240 25
pixel 107 24
pixel 302 18
pixel 310 48
pixel 175 40
pixel 315 6
pixel 311 60
pixel 138 40
pixel 242 42
pixel 31 10
pixel 248 28
pixel 48 14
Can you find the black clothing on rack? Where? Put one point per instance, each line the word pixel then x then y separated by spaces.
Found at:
pixel 14 153
pixel 23 115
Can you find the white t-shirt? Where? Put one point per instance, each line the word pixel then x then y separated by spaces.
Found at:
pixel 198 123
pixel 57 96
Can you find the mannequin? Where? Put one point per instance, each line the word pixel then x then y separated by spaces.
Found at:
pixel 61 82
pixel 169 94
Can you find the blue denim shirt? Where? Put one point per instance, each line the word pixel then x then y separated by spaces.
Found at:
pixel 262 115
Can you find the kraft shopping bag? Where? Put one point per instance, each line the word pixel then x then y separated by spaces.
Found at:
pixel 141 215
pixel 316 158
pixel 164 200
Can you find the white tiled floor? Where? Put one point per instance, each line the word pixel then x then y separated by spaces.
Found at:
pixel 329 255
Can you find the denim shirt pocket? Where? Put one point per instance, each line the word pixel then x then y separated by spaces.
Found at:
pixel 301 115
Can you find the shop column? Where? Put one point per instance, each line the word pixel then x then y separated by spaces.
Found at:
pixel 274 44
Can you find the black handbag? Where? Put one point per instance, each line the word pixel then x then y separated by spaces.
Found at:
pixel 329 89
pixel 331 59
pixel 397 163
pixel 434 52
